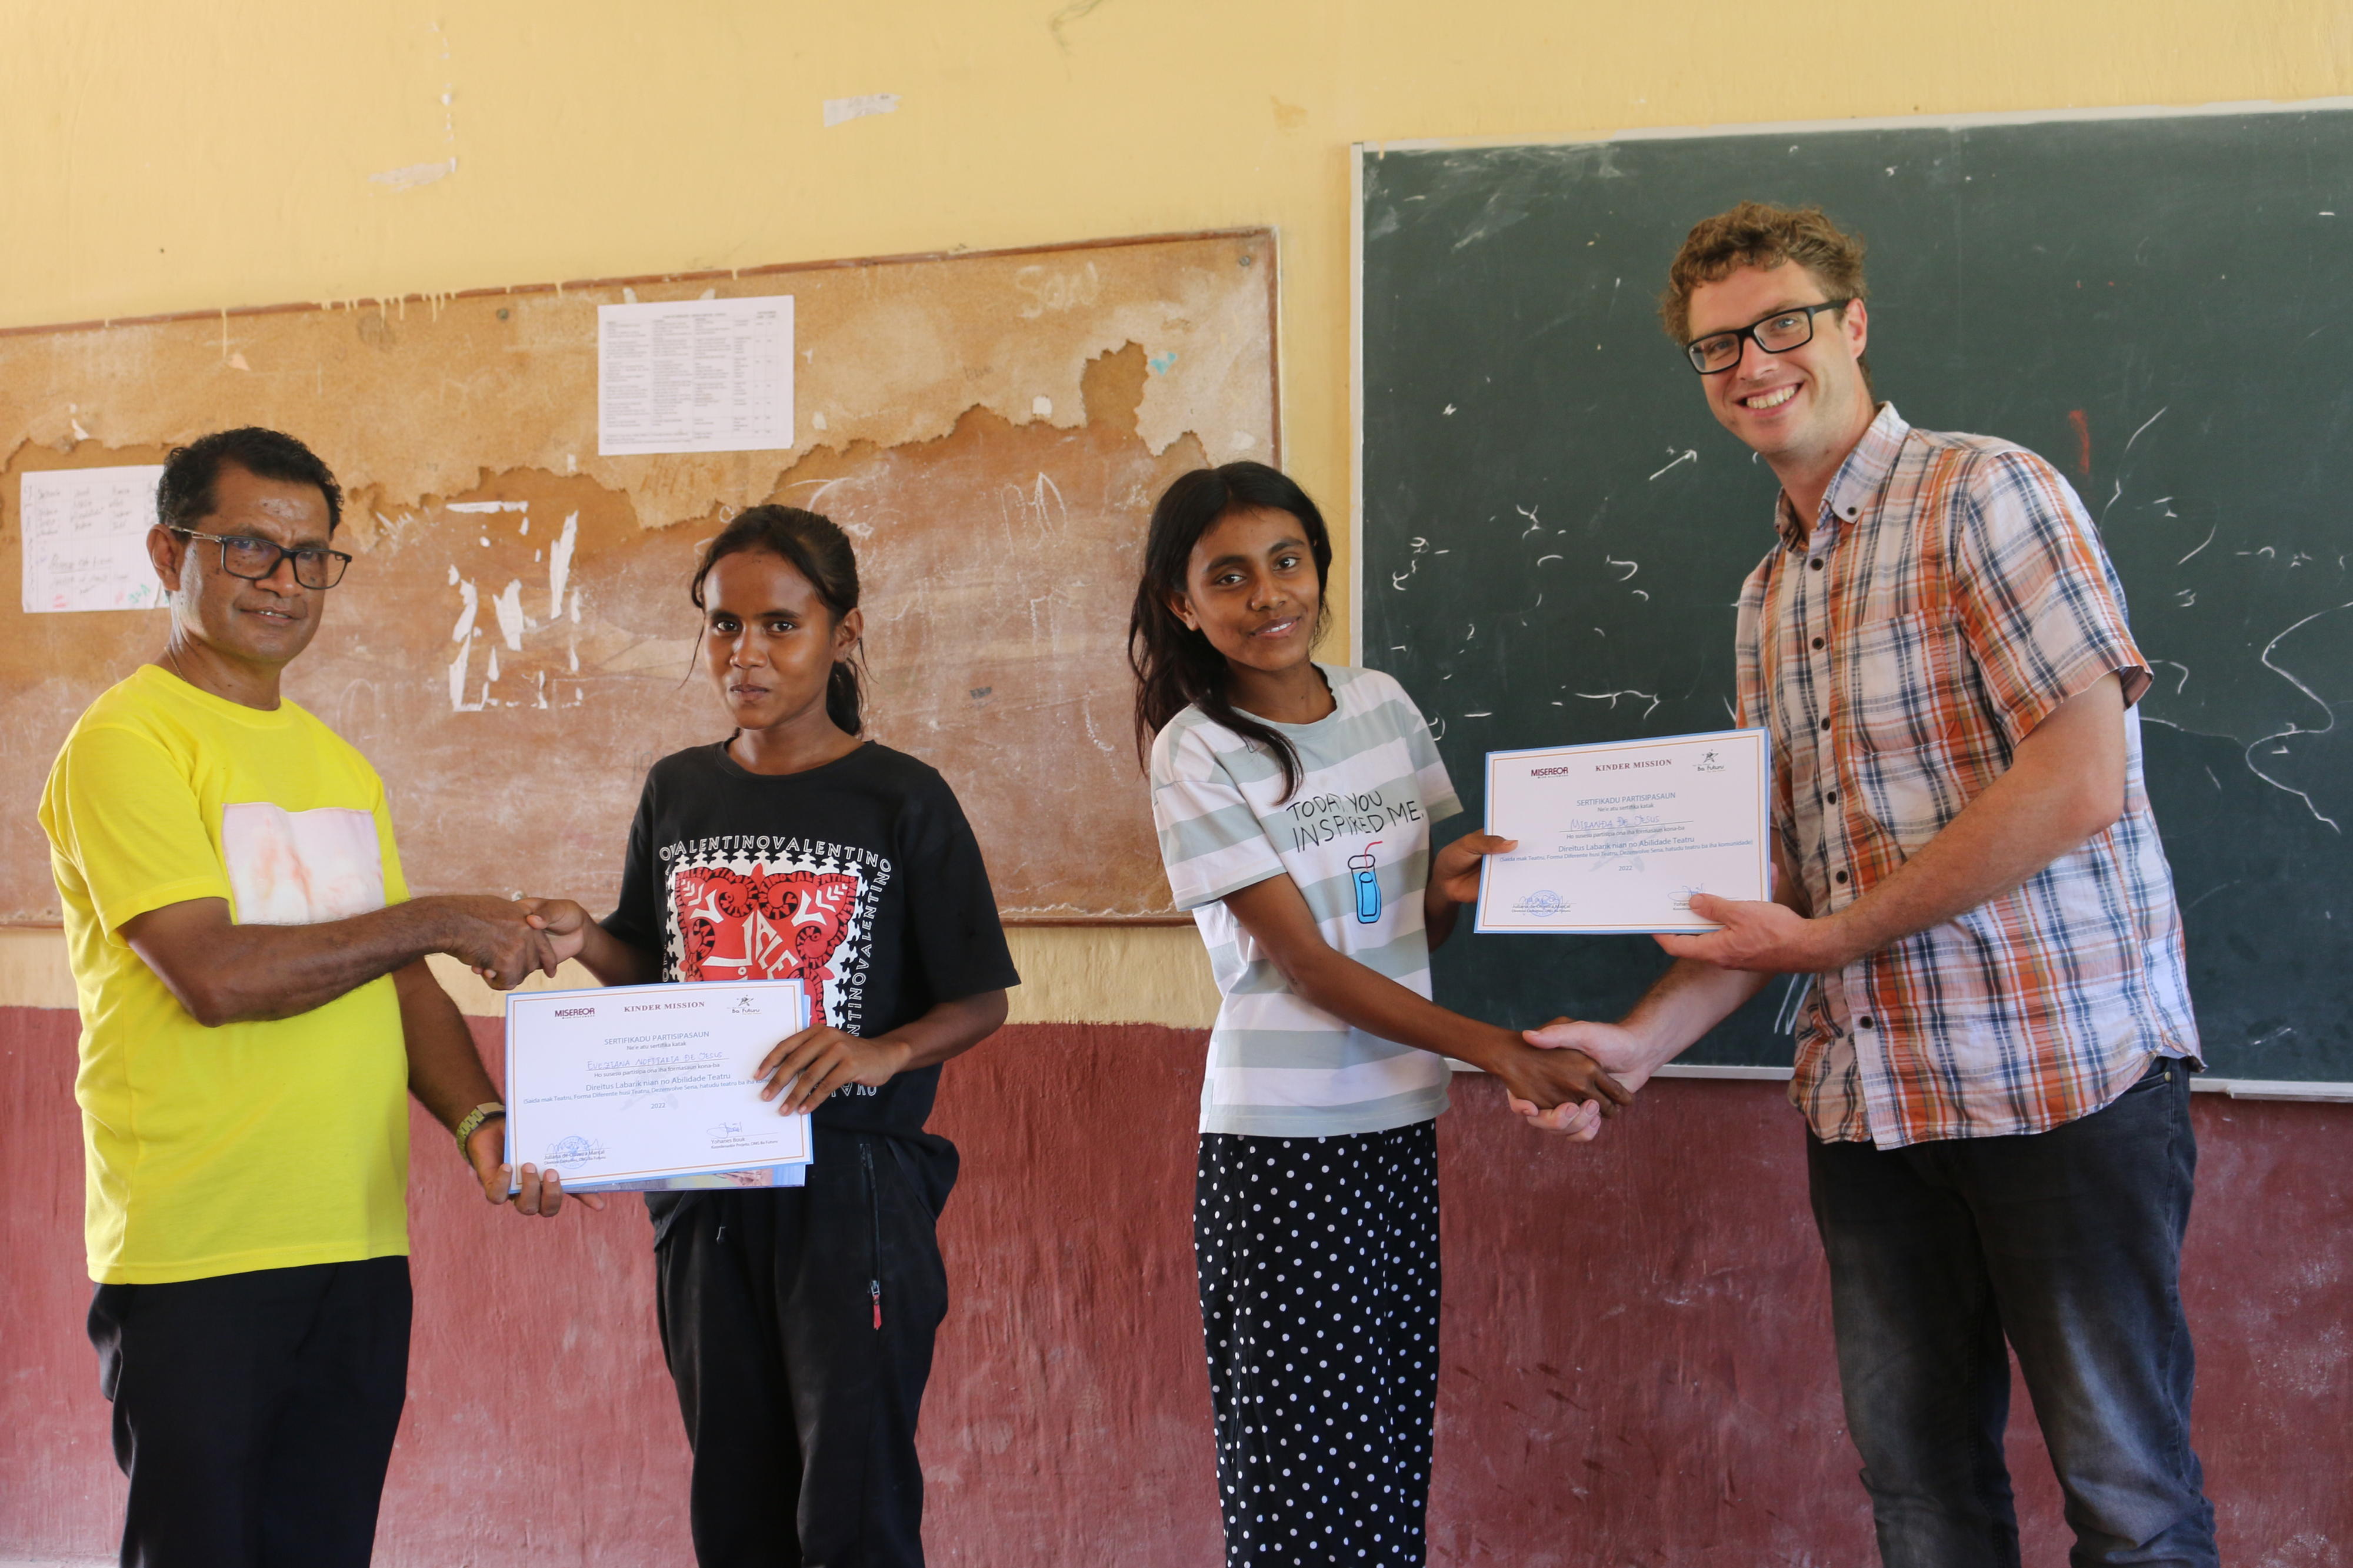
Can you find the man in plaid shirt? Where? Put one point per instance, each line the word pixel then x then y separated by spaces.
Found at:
pixel 1994 1064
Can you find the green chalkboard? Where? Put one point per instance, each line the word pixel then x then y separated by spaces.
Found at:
pixel 1554 528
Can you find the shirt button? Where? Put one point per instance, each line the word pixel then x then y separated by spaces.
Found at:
pixel 1842 877
pixel 1818 642
pixel 1831 797
pixel 1826 723
pixel 1863 1023
pixel 1816 564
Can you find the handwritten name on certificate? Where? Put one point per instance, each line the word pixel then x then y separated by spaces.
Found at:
pixel 639 1084
pixel 1616 837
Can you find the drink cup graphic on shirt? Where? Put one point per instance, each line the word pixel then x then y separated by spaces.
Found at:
pixel 1369 885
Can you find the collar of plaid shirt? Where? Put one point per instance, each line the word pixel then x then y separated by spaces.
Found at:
pixel 1950 594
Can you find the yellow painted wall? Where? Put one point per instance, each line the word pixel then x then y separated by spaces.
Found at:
pixel 160 157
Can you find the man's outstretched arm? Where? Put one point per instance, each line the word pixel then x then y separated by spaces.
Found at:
pixel 2065 783
pixel 222 973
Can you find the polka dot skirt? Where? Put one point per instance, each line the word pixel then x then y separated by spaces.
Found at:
pixel 1318 1261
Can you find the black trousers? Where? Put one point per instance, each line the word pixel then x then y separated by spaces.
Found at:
pixel 798 1325
pixel 255 1413
pixel 1319 1274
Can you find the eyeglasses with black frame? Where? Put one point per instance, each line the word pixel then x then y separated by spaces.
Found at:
pixel 1776 335
pixel 254 559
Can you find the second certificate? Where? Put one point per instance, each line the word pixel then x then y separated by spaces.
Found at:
pixel 1615 837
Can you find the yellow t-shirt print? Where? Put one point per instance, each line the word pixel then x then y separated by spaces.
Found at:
pixel 257 1145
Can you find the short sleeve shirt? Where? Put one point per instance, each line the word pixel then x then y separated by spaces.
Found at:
pixel 861 879
pixel 1356 838
pixel 253 1145
pixel 1953 593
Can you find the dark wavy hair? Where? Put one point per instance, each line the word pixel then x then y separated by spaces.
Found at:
pixel 819 552
pixel 184 497
pixel 1175 665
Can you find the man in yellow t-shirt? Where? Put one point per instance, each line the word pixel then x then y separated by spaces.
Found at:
pixel 254 1002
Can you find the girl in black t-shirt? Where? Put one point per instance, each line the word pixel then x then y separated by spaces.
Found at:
pixel 797 1321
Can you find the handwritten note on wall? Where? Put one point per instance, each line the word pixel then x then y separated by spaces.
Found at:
pixel 86 538
pixel 695 375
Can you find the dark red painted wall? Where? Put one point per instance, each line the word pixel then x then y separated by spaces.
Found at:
pixel 1637 1355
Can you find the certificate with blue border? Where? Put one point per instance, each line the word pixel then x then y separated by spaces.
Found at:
pixel 1616 836
pixel 651 1087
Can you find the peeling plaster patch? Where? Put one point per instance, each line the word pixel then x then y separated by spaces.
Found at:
pixel 559 565
pixel 470 597
pixel 840 111
pixel 489 506
pixel 508 604
pixel 817 421
pixel 411 177
pixel 1042 407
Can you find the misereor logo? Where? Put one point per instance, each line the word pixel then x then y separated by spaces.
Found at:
pixel 576 1011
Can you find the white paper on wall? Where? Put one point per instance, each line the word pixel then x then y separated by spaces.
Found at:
pixel 86 538
pixel 695 375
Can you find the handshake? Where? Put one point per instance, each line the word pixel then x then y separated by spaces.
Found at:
pixel 504 940
pixel 1595 1074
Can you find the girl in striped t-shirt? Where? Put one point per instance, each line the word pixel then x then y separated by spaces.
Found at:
pixel 1294 803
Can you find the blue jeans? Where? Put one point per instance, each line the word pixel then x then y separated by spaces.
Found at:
pixel 2067 1243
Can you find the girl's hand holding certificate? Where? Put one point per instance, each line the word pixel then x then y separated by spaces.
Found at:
pixel 808 1067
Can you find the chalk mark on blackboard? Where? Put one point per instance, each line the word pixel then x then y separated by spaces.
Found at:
pixel 2210 892
pixel 2144 425
pixel 1542 559
pixel 1631 567
pixel 2202 543
pixel 2183 668
pixel 1534 524
pixel 2293 729
pixel 1690 455
pixel 1611 696
pixel 1794 990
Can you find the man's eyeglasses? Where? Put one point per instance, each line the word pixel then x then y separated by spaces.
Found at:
pixel 1776 335
pixel 254 559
